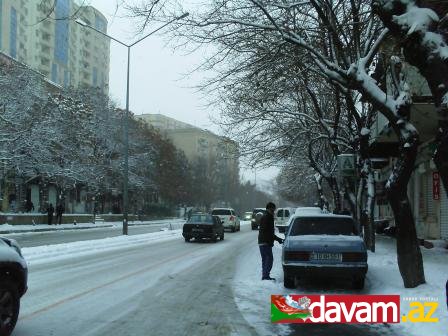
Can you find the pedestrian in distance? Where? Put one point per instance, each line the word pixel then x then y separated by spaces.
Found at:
pixel 266 237
pixel 29 206
pixel 50 211
pixel 59 211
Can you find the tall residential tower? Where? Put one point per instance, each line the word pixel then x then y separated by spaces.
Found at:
pixel 51 42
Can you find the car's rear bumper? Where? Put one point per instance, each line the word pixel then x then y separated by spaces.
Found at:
pixel 199 235
pixel 229 226
pixel 304 270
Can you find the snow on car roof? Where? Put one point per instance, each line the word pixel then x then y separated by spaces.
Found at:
pixel 325 215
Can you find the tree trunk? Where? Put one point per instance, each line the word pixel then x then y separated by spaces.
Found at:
pixel 336 194
pixel 409 256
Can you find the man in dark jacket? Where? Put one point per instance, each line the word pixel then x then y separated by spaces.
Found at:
pixel 266 237
pixel 50 211
pixel 59 211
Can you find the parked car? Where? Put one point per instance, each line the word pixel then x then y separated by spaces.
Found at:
pixel 282 216
pixel 13 283
pixel 248 216
pixel 324 246
pixel 201 226
pixel 257 213
pixel 228 217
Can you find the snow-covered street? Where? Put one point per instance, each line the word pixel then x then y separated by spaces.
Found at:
pixel 147 284
pixel 156 284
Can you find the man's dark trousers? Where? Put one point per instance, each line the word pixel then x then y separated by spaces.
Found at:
pixel 266 260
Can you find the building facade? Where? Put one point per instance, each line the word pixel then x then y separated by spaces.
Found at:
pixel 217 155
pixel 426 193
pixel 162 122
pixel 51 42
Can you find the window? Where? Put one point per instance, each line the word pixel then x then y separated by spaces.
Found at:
pixel 323 226
pixel 280 213
pixel 54 72
pixel 100 24
pixel 95 76
pixel 207 219
pixel 66 78
pixel 1 15
pixel 13 34
pixel 62 11
pixel 221 212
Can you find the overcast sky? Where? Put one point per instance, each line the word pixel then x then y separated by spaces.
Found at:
pixel 157 81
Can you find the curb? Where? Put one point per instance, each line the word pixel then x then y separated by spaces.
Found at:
pixel 51 229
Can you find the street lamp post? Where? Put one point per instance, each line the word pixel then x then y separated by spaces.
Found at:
pixel 126 119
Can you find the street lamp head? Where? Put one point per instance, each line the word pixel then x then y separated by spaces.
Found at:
pixel 81 22
pixel 183 16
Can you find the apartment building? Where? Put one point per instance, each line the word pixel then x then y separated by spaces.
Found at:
pixel 51 42
pixel 162 122
pixel 197 143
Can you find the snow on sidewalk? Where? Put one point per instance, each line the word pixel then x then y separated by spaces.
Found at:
pixel 7 228
pixel 50 253
pixel 253 296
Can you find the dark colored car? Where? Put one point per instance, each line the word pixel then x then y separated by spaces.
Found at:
pixel 203 226
pixel 257 213
pixel 324 246
pixel 13 283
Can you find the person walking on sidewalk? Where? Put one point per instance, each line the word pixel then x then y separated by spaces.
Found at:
pixel 29 206
pixel 266 237
pixel 59 211
pixel 50 211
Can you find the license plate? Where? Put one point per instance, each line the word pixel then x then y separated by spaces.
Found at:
pixel 197 230
pixel 326 256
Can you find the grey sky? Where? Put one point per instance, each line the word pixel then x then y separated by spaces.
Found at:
pixel 157 84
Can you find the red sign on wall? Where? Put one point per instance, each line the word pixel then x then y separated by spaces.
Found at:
pixel 436 186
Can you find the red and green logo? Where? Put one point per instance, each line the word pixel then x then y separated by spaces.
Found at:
pixel 284 308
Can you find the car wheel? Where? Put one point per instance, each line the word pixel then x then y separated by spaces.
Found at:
pixel 359 283
pixel 233 228
pixel 9 306
pixel 222 236
pixel 289 281
pixel 187 240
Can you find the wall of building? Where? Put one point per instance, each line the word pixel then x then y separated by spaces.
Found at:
pixel 62 50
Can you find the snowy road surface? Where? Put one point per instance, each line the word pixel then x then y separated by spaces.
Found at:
pixel 169 287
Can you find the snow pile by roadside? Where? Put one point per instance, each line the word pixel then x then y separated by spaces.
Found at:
pixel 253 296
pixel 50 253
pixel 8 228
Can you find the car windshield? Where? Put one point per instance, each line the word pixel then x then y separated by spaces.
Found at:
pixel 322 226
pixel 221 212
pixel 255 211
pixel 201 219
